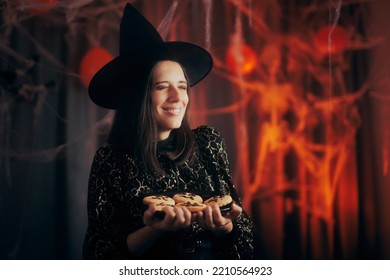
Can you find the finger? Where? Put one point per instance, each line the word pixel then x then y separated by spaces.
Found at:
pixel 194 217
pixel 235 212
pixel 148 214
pixel 200 219
pixel 179 217
pixel 218 219
pixel 216 212
pixel 182 219
pixel 236 207
pixel 187 217
pixel 170 216
pixel 208 217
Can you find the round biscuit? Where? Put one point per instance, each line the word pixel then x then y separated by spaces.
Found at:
pixel 160 206
pixel 158 199
pixel 220 200
pixel 192 206
pixel 187 196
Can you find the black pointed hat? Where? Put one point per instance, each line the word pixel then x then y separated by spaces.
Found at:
pixel 141 46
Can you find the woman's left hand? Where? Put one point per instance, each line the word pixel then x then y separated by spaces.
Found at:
pixel 212 219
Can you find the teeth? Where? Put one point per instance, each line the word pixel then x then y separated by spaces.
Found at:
pixel 175 111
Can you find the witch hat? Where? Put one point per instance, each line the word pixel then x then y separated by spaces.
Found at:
pixel 140 47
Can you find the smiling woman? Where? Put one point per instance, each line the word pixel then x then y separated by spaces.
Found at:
pixel 169 96
pixel 153 154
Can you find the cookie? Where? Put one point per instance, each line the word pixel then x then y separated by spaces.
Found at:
pixel 187 197
pixel 160 206
pixel 158 200
pixel 223 201
pixel 192 206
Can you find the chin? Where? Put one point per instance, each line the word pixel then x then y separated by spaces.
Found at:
pixel 174 126
pixel 171 124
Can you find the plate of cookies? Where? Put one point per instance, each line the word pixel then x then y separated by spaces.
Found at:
pixel 193 202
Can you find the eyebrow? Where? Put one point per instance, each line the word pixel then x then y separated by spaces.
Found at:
pixel 161 82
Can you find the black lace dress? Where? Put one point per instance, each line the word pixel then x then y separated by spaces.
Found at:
pixel 118 183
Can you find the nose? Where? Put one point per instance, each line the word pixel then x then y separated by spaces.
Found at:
pixel 174 94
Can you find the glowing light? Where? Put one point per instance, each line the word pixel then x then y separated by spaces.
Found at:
pixel 331 39
pixel 36 7
pixel 241 59
pixel 92 61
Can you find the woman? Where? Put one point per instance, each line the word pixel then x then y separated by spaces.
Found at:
pixel 152 150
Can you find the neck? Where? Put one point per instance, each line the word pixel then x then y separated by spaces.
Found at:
pixel 163 135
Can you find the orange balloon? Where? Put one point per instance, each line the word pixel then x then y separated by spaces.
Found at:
pixel 331 42
pixel 241 59
pixel 92 61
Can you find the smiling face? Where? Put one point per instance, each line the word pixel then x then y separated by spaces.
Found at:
pixel 169 96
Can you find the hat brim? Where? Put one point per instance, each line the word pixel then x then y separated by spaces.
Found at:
pixel 104 88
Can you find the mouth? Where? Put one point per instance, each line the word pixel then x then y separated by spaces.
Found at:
pixel 173 111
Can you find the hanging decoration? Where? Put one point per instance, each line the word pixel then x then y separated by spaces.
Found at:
pixel 92 61
pixel 331 39
pixel 241 59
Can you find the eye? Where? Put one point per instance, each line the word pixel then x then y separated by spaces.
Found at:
pixel 161 87
pixel 182 86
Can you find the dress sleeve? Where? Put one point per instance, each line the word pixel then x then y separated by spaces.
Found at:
pixel 105 237
pixel 214 152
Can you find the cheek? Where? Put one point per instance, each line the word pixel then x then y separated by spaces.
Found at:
pixel 155 100
pixel 186 100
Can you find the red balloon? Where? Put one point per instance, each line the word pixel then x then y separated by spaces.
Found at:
pixel 331 39
pixel 92 61
pixel 241 59
pixel 35 7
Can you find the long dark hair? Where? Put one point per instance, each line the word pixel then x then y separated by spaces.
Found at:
pixel 134 129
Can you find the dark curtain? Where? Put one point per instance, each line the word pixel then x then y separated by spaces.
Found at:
pixel 374 141
pixel 33 178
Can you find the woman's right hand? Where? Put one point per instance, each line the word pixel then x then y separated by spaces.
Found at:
pixel 139 241
pixel 175 218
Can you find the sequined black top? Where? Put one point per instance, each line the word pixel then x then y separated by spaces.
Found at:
pixel 118 182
